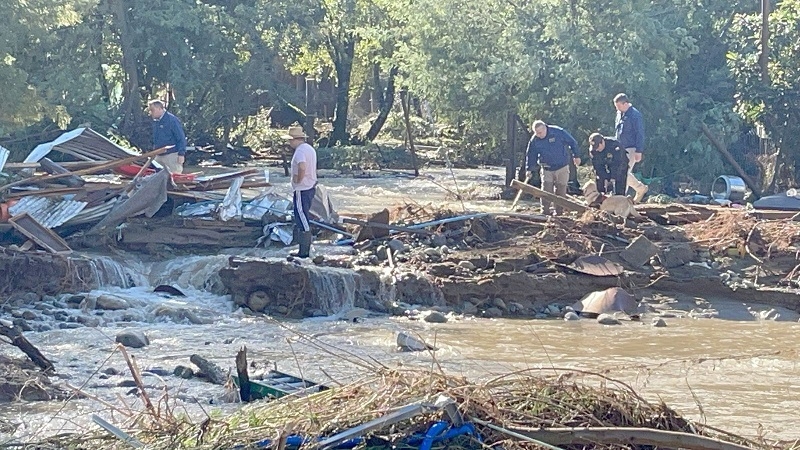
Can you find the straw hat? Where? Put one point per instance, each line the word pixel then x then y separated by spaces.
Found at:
pixel 294 133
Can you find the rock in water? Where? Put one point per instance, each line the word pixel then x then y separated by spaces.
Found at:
pixel 408 343
pixel 608 319
pixel 466 265
pixel 436 317
pixel 571 316
pixel 169 290
pixel 257 301
pixel 132 339
pixel 111 302
pixel 659 322
pixel 183 372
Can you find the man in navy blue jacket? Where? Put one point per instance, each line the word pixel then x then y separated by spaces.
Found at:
pixel 552 148
pixel 167 130
pixel 630 134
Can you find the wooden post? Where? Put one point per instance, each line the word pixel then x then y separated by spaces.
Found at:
pixel 763 58
pixel 728 157
pixel 244 378
pixel 511 144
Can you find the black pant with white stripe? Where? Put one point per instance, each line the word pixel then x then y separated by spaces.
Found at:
pixel 302 205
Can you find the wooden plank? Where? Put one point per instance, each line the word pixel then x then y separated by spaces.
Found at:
pixel 538 193
pixel 91 170
pixel 36 232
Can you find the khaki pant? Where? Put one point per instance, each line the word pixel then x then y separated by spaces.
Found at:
pixel 170 162
pixel 554 181
pixel 633 182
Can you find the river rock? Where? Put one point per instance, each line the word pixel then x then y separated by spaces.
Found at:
pixel 438 240
pixel 469 309
pixel 570 315
pixel 319 259
pixel 30 298
pixel 608 319
pixel 73 299
pixel 466 265
pixel 89 321
pixel 29 315
pixel 126 384
pixel 435 317
pixel 183 372
pixel 22 324
pixel 396 245
pixel 516 308
pixel 659 322
pixel 442 270
pixel 493 312
pixel 676 256
pixel 69 326
pixel 409 343
pixel 432 252
pixel 180 315
pixel 382 252
pixel 498 302
pixel 639 252
pixel 112 302
pixel 553 310
pixel 111 371
pixel 132 339
pixel 258 301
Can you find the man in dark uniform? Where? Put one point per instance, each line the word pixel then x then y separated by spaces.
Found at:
pixel 610 164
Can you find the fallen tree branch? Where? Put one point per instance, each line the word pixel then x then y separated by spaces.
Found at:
pixel 19 341
pixel 212 371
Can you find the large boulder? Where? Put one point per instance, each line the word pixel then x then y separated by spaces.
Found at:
pixel 111 302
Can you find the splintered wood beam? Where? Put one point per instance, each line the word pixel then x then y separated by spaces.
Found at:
pixel 538 193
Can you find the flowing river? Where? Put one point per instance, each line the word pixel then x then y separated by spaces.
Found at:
pixel 740 375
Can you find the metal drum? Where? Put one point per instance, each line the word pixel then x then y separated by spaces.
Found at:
pixel 728 187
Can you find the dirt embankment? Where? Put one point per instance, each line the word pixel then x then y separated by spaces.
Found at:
pixel 521 266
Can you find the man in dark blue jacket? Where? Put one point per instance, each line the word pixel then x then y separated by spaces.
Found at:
pixel 552 148
pixel 167 130
pixel 630 134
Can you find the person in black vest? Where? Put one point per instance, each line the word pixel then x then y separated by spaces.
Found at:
pixel 610 162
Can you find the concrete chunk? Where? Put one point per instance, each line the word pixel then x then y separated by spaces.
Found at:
pixel 639 252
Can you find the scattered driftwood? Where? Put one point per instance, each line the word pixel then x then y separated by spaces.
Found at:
pixel 244 377
pixel 625 436
pixel 212 371
pixel 538 193
pixel 18 340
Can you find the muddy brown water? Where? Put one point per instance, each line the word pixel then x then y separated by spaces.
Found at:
pixel 738 374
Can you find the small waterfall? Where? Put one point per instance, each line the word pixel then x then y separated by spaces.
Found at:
pixel 335 288
pixel 108 272
pixel 199 272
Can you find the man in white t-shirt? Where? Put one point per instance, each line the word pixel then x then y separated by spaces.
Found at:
pixel 304 182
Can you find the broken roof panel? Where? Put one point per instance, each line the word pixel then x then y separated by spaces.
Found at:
pixel 51 213
pixel 82 143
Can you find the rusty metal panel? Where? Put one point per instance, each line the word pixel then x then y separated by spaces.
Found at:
pixel 50 213
pixel 42 236
pixel 597 266
pixel 84 144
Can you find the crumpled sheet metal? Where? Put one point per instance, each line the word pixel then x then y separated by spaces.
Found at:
pixel 147 198
pixel 322 206
pixel 265 203
pixel 82 143
pixel 596 265
pixel 231 206
pixel 49 212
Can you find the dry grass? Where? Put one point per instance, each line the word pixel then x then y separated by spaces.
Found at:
pixel 735 230
pixel 527 399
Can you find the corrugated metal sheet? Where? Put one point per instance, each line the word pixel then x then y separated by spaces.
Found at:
pixel 93 214
pixel 82 143
pixel 3 157
pixel 51 213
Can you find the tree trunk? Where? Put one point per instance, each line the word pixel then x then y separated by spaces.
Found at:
pixel 386 102
pixel 343 63
pixel 404 101
pixel 19 341
pixel 131 117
